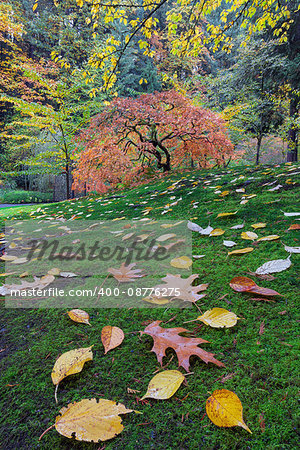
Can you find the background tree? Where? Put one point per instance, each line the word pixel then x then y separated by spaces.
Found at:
pixel 153 130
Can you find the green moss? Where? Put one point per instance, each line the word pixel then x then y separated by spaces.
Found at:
pixel 262 367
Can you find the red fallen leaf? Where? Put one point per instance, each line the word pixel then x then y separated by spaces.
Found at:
pixel 263 291
pixel 262 328
pixel 184 347
pixel 244 284
pixel 294 226
pixel 262 423
pixel 282 313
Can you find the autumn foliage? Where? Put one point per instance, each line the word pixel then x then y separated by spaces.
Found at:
pixel 158 131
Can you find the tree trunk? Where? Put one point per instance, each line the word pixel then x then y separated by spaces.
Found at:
pixel 259 139
pixel 292 153
pixel 68 181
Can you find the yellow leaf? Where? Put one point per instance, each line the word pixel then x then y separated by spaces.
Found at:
pixel 78 315
pixel 8 257
pixel 164 385
pixel 34 7
pixel 217 232
pixel 258 225
pixel 225 409
pixel 24 274
pixel 54 271
pixel 224 193
pixel 241 251
pixel 226 214
pixel 182 262
pixel 111 337
pixel 272 237
pixel 156 300
pixel 91 420
pixel 165 237
pixel 249 235
pixel 20 260
pixel 219 318
pixel 69 363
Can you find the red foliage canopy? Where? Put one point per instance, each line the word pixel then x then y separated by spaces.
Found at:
pixel 152 130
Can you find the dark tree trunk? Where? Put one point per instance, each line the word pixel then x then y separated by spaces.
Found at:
pixel 259 139
pixel 292 151
pixel 68 181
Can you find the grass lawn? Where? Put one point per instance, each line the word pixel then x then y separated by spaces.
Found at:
pixel 259 353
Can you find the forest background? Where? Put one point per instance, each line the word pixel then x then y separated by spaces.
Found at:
pixel 64 62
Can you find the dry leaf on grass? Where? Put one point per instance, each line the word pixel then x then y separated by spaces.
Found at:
pixel 249 235
pixel 164 385
pixel 226 214
pixel 69 363
pixel 181 287
pixel 229 243
pixel 217 232
pixel 91 420
pixel 80 316
pixel 184 347
pixel 165 237
pixel 67 274
pixel 111 337
pixel 292 249
pixel 272 237
pixel 294 226
pixel 237 227
pixel 204 231
pixel 241 251
pixel 259 225
pixel 244 284
pixel 276 265
pixel 182 262
pixel 219 318
pixel 225 409
pixel 38 283
pixel 125 273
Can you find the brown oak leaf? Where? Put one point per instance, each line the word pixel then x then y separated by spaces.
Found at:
pixel 184 346
pixel 182 287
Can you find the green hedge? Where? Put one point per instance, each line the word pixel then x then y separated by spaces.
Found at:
pixel 24 197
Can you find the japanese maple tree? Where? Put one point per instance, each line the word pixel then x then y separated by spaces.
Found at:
pixel 159 130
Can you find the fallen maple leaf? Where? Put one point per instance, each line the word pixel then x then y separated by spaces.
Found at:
pixel 184 347
pixel 126 273
pixel 38 283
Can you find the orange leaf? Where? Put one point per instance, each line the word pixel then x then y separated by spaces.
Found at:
pixel 111 337
pixel 244 284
